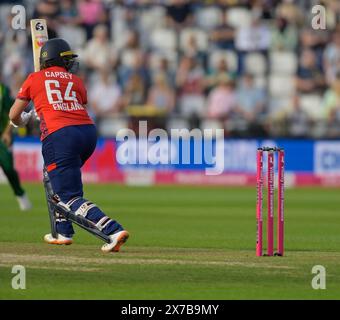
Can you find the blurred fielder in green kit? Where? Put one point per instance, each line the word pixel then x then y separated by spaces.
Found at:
pixel 6 156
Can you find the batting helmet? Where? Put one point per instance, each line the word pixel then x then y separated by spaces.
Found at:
pixel 57 52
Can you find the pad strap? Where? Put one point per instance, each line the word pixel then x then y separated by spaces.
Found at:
pixel 103 222
pixel 84 208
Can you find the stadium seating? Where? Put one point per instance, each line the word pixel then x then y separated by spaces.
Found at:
pixel 163 39
pixel 283 63
pixel 312 104
pixel 274 70
pixel 238 17
pixel 256 64
pixel 209 18
pixel 281 86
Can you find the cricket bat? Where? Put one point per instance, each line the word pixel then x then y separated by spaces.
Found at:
pixel 39 37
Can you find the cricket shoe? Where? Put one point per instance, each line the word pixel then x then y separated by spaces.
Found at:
pixel 117 240
pixel 24 203
pixel 59 240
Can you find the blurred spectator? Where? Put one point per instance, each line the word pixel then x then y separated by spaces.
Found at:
pixel 215 74
pixel 179 13
pixel 222 99
pixel 190 82
pixel 250 100
pixel 161 95
pixel 105 96
pixel 164 68
pixel 191 49
pixel 131 54
pixel 17 79
pixel 12 40
pixel 47 9
pixel 119 21
pixel 331 99
pixel 69 12
pixel 131 17
pixel 263 9
pixel 99 52
pixel 290 11
pixel 284 36
pixel 223 36
pixel 136 65
pixel 314 40
pixel 333 124
pixel 331 58
pixel 135 90
pixel 298 120
pixel 91 13
pixel 310 78
pixel 310 39
pixel 332 13
pixel 132 40
pixel 253 38
pixel 15 56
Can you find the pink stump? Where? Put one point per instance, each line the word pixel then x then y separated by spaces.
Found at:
pixel 259 199
pixel 280 225
pixel 270 206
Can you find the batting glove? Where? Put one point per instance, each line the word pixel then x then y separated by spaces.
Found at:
pixel 24 119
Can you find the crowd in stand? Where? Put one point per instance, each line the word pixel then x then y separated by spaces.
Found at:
pixel 255 68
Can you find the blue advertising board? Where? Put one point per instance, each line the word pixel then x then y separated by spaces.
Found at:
pixel 235 155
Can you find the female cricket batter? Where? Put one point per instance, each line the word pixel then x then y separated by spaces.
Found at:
pixel 68 138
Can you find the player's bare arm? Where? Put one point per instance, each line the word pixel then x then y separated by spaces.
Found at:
pixel 17 115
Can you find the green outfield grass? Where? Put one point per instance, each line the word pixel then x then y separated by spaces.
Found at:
pixel 186 243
